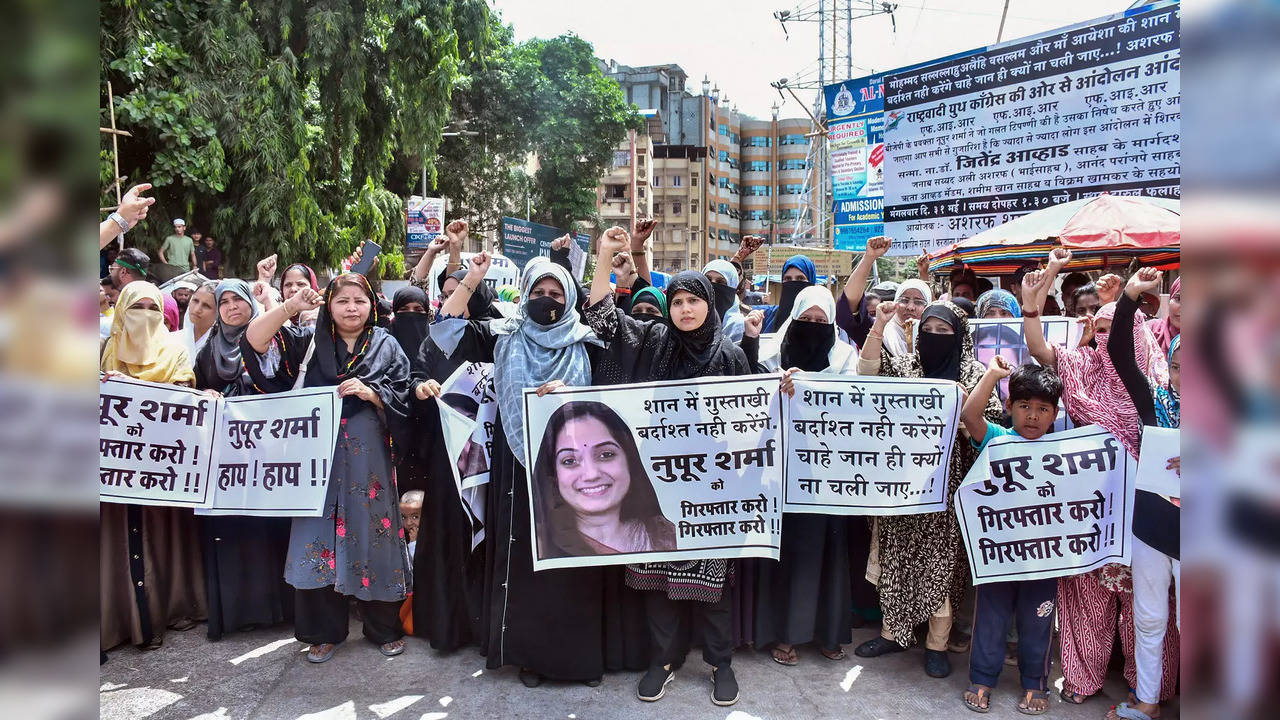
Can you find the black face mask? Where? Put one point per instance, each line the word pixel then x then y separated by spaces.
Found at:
pixel 939 355
pixel 807 345
pixel 544 310
pixel 645 318
pixel 790 289
pixel 725 297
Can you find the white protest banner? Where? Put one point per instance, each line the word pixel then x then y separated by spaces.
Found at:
pixel 272 453
pixel 1056 506
pixel 868 445
pixel 457 429
pixel 655 472
pixel 1159 445
pixel 1005 337
pixel 153 443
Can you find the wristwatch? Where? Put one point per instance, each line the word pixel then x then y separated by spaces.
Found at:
pixel 124 224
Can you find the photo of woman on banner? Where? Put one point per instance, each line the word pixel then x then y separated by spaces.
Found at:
pixel 591 493
pixel 473 461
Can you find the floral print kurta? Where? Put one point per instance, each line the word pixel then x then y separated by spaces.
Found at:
pixel 358 546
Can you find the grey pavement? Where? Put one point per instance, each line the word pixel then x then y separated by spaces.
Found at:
pixel 263 674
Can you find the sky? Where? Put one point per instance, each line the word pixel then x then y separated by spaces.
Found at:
pixel 741 47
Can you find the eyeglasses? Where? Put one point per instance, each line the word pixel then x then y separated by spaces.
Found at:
pixel 913 302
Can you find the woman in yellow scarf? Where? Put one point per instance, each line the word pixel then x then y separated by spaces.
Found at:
pixel 151 574
pixel 139 345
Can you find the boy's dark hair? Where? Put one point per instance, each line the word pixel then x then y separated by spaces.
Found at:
pixel 1086 289
pixel 1035 382
pixel 106 282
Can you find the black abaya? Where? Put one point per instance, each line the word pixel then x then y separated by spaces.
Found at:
pixel 805 595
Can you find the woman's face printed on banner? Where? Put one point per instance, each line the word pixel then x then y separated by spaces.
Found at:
pixel 911 305
pixel 294 279
pixel 688 311
pixel 591 469
pixel 349 309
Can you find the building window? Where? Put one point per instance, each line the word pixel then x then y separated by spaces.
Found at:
pixel 759 141
pixel 724 235
pixel 722 182
pixel 657 208
pixel 693 207
pixel 675 207
pixel 616 192
pixel 639 160
pixel 621 158
pixel 723 156
pixel 693 180
pixel 795 164
pixel 793 140
pixel 722 209
pixel 758 166
pixel 758 190
pixel 641 192
pixel 790 189
pixel 733 138
pixel 657 181
pixel 723 129
pixel 676 181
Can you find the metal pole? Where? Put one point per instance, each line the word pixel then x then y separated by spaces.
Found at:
pixel 1003 14
pixel 848 38
pixel 424 178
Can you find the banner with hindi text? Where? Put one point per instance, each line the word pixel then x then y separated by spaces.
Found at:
pixel 1056 506
pixel 868 445
pixel 655 472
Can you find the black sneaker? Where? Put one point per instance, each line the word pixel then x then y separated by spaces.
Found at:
pixel 936 664
pixel 654 684
pixel 877 646
pixel 724 686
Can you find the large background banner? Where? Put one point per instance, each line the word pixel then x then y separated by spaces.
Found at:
pixel 973 140
pixel 868 445
pixel 855 137
pixel 154 444
pixel 502 271
pixel 271 453
pixel 523 240
pixel 674 471
pixel 1061 505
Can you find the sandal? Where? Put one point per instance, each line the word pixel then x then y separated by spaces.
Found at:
pixel 1128 712
pixel 980 694
pixel 392 649
pixel 837 654
pixel 1071 696
pixel 785 657
pixel 318 654
pixel 1030 696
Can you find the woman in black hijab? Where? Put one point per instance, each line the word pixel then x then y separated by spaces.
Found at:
pixel 689 344
pixel 243 556
pixel 448 575
pixel 922 571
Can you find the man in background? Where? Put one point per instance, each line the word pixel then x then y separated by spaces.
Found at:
pixel 209 258
pixel 178 250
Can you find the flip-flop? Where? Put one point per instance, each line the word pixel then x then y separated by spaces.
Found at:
pixel 839 654
pixel 788 659
pixel 313 657
pixel 1035 695
pixel 391 649
pixel 979 692
pixel 1128 712
pixel 1072 697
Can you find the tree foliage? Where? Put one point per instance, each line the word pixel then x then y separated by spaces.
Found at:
pixel 274 124
pixel 546 97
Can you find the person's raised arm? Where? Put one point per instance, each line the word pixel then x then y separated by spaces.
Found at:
pixel 266 268
pixel 974 412
pixel 1035 286
pixel 457 233
pixel 1120 343
pixel 613 241
pixel 922 269
pixel 456 305
pixel 869 359
pixel 855 286
pixel 262 328
pixel 640 247
pixel 1109 287
pixel 423 268
pixel 133 210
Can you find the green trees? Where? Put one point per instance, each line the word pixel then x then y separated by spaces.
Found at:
pixel 277 122
pixel 297 126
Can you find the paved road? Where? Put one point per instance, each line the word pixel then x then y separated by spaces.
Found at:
pixel 263 674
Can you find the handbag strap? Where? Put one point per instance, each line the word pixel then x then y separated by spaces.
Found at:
pixel 306 360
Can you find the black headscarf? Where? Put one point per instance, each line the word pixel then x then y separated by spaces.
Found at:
pixel 410 328
pixel 940 354
pixel 656 350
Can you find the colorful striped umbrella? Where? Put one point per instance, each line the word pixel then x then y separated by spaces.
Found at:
pixel 1097 230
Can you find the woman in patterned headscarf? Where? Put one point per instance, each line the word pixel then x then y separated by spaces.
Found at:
pixel 918 561
pixel 1092 604
pixel 151 576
